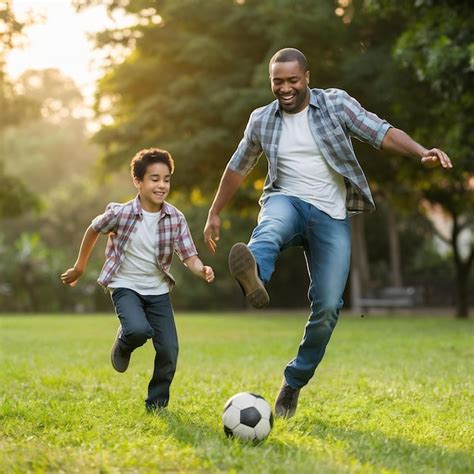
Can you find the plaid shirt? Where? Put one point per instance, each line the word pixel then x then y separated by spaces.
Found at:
pixel 334 117
pixel 119 221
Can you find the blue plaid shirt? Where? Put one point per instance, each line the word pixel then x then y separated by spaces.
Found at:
pixel 334 117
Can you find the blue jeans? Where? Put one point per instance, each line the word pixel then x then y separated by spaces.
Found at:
pixel 286 221
pixel 149 317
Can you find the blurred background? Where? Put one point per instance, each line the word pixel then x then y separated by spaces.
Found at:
pixel 85 84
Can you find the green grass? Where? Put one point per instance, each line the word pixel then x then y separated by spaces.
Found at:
pixel 392 395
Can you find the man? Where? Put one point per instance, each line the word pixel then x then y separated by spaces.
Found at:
pixel 313 183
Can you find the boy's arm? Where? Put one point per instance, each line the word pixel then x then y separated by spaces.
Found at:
pixel 199 269
pixel 70 276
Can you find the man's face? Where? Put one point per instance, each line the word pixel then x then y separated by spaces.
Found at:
pixel 289 84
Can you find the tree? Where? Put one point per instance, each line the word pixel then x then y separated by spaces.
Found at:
pixel 190 72
pixel 437 44
pixel 53 152
pixel 15 197
pixel 181 87
pixel 192 76
pixel 53 146
pixel 15 107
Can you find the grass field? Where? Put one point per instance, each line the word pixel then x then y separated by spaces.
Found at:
pixel 392 395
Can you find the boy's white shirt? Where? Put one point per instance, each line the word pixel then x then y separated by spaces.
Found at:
pixel 138 270
pixel 303 172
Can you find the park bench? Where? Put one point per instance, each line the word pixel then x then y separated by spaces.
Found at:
pixel 391 297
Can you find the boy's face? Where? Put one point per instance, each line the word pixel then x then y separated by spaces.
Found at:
pixel 155 186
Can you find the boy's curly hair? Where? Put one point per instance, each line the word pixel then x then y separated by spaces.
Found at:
pixel 148 156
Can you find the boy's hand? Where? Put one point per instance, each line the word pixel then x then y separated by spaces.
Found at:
pixel 70 276
pixel 207 273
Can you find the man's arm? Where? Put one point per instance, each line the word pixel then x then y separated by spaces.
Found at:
pixel 70 276
pixel 399 142
pixel 229 184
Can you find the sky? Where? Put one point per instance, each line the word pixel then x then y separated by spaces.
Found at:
pixel 60 41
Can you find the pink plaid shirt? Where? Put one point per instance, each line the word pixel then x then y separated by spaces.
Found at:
pixel 119 221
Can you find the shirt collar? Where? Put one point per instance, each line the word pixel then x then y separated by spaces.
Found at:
pixel 138 211
pixel 137 207
pixel 313 98
pixel 165 209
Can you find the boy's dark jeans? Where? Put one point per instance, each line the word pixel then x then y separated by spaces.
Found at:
pixel 143 317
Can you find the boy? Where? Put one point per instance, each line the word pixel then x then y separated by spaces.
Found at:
pixel 143 233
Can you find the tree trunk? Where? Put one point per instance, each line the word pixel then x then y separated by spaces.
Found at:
pixel 394 247
pixel 462 303
pixel 356 291
pixel 360 271
pixel 463 268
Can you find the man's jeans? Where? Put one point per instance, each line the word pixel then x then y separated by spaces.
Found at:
pixel 144 317
pixel 286 221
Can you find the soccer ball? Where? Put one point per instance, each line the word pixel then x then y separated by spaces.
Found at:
pixel 247 416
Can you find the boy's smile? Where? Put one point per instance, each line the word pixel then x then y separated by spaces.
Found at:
pixel 155 186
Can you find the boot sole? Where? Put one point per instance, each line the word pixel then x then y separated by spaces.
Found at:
pixel 243 268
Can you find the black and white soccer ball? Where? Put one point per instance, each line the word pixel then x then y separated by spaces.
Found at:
pixel 247 416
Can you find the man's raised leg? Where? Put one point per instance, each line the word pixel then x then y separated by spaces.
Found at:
pixel 252 265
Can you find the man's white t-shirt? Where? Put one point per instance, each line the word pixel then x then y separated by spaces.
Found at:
pixel 303 172
pixel 139 271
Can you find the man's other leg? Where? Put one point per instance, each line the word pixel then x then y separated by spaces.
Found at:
pixel 328 253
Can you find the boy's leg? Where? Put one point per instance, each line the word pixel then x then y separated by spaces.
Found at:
pixel 327 251
pixel 280 224
pixel 165 340
pixel 135 329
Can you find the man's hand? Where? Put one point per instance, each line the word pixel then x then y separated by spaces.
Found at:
pixel 435 156
pixel 207 273
pixel 211 232
pixel 70 276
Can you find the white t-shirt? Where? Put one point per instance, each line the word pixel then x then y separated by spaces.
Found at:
pixel 139 271
pixel 303 172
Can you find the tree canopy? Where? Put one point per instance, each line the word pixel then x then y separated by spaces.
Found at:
pixel 15 197
pixel 190 73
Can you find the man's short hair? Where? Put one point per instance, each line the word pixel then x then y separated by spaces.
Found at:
pixel 287 55
pixel 149 156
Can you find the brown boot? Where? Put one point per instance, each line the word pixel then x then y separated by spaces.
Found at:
pixel 243 268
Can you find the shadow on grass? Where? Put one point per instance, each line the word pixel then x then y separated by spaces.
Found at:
pixel 383 452
pixel 220 453
pixel 183 427
pixel 373 449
